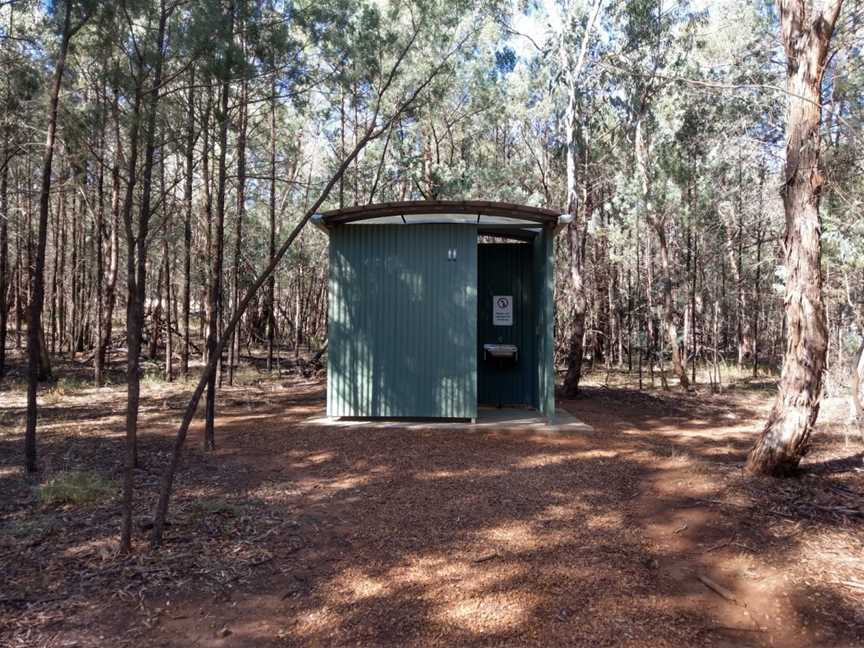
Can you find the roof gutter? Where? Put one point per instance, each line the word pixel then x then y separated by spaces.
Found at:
pixel 563 221
pixel 318 222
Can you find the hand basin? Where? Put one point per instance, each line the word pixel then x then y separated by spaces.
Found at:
pixel 502 351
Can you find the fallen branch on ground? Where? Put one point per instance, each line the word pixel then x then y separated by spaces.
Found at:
pixel 717 588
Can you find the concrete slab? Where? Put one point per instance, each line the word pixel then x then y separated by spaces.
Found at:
pixel 489 418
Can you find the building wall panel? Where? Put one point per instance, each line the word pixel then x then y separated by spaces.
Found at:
pixel 402 321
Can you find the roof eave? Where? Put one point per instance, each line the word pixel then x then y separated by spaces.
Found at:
pixel 540 216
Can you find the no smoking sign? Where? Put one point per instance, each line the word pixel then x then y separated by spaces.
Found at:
pixel 502 310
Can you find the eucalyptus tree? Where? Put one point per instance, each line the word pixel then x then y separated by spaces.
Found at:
pixel 843 227
pixel 573 47
pixel 663 40
pixel 806 33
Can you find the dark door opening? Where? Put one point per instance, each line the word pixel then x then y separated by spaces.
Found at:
pixel 506 316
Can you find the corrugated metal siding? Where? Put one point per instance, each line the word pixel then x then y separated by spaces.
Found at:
pixel 402 321
pixel 506 269
pixel 544 281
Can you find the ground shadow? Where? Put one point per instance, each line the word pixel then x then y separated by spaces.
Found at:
pixel 332 536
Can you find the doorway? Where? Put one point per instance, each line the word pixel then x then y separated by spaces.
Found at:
pixel 506 316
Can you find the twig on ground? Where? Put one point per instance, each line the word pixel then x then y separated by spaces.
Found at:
pixel 736 629
pixel 717 588
pixel 720 545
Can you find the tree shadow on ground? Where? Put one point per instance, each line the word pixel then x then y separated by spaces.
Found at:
pixel 351 535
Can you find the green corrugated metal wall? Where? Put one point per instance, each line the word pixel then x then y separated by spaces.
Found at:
pixel 506 269
pixel 544 291
pixel 402 322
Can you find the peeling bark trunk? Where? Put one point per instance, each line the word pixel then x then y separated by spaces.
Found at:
pixel 785 438
pixel 576 233
pixel 576 230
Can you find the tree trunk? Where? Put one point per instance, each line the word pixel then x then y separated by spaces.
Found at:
pixel 298 292
pixel 166 272
pixel 207 182
pixel 734 256
pixel 35 338
pixel 58 253
pixel 98 240
pixel 187 221
pixel 5 162
pixel 694 349
pixel 855 386
pixel 216 251
pixel 757 286
pixel 137 275
pixel 658 224
pixel 61 286
pixel 577 230
pixel 577 235
pixel 156 315
pixel 169 351
pixel 785 438
pixel 271 281
pixel 19 278
pixel 133 327
pixel 73 276
pixel 238 233
pixel 743 331
pixel 114 245
pixel 4 247
pixel 209 373
pixel 110 280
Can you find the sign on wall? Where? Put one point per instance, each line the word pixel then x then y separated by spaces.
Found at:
pixel 502 310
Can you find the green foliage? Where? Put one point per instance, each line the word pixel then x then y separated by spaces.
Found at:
pixel 703 80
pixel 77 488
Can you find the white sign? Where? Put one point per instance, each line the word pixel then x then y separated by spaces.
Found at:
pixel 502 310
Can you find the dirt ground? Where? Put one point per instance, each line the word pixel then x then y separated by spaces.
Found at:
pixel 643 532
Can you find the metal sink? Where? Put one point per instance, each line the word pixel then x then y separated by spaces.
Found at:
pixel 501 351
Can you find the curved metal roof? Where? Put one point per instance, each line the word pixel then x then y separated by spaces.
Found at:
pixel 503 213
